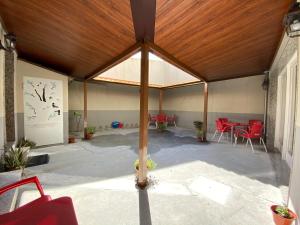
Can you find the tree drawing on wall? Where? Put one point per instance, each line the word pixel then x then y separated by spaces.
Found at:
pixel 42 99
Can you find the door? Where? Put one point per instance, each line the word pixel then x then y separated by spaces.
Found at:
pixel 290 108
pixel 280 110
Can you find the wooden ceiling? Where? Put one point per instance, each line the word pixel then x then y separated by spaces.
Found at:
pixel 221 39
pixel 214 39
pixel 72 36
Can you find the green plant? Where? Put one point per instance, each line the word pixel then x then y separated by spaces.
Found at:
pixel 199 128
pixel 161 126
pixel 283 211
pixel 23 142
pixel 151 165
pixel 90 130
pixel 16 158
pixel 77 116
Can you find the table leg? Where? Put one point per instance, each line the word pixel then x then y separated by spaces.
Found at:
pixel 231 134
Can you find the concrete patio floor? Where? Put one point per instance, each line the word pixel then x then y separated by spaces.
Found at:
pixel 194 183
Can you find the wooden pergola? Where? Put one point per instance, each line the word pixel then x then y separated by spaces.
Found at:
pixel 211 40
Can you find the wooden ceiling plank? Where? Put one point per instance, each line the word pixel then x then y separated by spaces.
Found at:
pixel 115 61
pixel 172 60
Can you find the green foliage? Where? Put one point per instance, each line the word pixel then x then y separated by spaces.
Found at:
pixel 283 211
pixel 91 130
pixel 16 158
pixel 161 126
pixel 199 127
pixel 77 114
pixel 23 142
pixel 151 165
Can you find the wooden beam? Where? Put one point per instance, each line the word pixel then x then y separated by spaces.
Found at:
pixel 183 84
pixel 84 107
pixel 161 93
pixel 233 77
pixel 205 101
pixel 143 16
pixel 172 60
pixel 125 82
pixel 143 140
pixel 115 61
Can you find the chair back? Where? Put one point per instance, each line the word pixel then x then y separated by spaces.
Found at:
pixel 251 122
pixel 256 130
pixel 161 118
pixel 219 125
pixel 223 120
pixel 171 118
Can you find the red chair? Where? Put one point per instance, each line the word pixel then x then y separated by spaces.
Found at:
pixel 172 120
pixel 221 128
pixel 42 211
pixel 254 132
pixel 223 120
pixel 161 118
pixel 251 122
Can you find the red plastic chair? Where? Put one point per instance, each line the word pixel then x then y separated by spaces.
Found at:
pixel 161 118
pixel 255 132
pixel 221 128
pixel 42 211
pixel 252 122
pixel 223 120
pixel 171 120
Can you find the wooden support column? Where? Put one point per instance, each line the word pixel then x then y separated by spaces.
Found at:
pixel 143 141
pixel 84 107
pixel 205 101
pixel 161 94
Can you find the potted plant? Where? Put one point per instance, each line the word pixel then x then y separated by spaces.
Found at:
pixel 282 215
pixel 161 126
pixel 77 118
pixel 71 139
pixel 90 131
pixel 15 158
pixel 199 129
pixel 151 165
pixel 24 142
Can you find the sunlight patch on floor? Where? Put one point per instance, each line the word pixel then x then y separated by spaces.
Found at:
pixel 211 189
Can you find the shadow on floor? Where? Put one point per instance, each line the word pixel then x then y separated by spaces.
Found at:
pixel 111 156
pixel 144 208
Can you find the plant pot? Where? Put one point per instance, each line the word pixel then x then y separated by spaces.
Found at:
pixel 279 220
pixel 89 136
pixel 71 140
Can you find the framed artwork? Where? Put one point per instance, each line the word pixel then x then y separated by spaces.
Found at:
pixel 43 110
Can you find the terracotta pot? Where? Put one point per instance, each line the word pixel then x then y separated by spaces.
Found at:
pixel 89 136
pixel 71 140
pixel 279 220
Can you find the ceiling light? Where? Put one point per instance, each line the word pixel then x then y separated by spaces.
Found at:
pixel 9 42
pixel 292 21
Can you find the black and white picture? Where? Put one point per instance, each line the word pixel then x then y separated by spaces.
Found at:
pixel 43 110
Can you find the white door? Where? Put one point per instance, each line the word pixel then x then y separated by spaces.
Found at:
pixel 280 110
pixel 289 126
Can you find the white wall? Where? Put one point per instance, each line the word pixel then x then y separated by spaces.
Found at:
pixel 109 97
pixel 243 95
